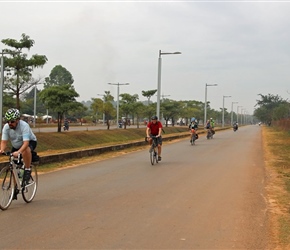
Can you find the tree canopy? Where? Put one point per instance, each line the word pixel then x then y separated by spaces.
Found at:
pixel 58 76
pixel 60 96
pixel 271 107
pixel 20 67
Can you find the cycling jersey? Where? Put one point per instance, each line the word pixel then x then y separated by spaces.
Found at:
pixel 17 136
pixel 154 128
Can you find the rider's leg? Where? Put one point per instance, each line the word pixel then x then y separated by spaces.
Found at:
pixel 27 157
pixel 159 148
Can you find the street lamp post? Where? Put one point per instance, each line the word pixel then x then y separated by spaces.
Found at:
pixel 159 79
pixel 232 113
pixel 245 116
pixel 225 96
pixel 118 90
pixel 238 113
pixel 205 101
pixel 242 110
pixel 34 110
pixel 1 90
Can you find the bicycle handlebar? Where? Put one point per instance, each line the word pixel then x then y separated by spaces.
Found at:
pixel 18 159
pixel 6 153
pixel 154 136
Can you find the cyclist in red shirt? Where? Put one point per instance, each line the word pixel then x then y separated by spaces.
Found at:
pixel 155 128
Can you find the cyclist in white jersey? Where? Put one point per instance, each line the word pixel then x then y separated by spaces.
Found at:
pixel 22 139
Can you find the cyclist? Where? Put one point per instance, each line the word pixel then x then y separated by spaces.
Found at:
pixel 212 124
pixel 22 139
pixel 155 128
pixel 235 126
pixel 193 127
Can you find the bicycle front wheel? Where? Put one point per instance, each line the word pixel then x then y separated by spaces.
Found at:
pixel 156 156
pixel 29 190
pixel 192 141
pixel 7 187
pixel 152 157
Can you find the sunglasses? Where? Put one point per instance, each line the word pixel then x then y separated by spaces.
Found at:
pixel 11 121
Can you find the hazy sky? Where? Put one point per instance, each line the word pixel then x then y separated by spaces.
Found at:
pixel 243 46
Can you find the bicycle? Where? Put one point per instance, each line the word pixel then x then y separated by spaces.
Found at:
pixel 209 134
pixel 154 150
pixel 193 137
pixel 11 180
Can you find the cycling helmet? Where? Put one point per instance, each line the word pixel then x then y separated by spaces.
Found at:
pixel 154 117
pixel 12 115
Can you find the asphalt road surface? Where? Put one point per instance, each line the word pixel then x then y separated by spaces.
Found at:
pixel 207 196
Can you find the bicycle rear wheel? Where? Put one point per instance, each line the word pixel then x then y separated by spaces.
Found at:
pixel 29 191
pixel 7 187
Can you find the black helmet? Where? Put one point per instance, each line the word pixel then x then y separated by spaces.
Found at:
pixel 154 117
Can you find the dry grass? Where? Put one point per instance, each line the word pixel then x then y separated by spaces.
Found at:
pixel 76 162
pixel 52 143
pixel 276 150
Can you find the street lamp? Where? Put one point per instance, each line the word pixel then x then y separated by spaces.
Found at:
pixel 232 113
pixel 238 113
pixel 103 107
pixel 159 79
pixel 118 90
pixel 245 116
pixel 225 96
pixel 242 111
pixel 34 108
pixel 205 101
pixel 2 84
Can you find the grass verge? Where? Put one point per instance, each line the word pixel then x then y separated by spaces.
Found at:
pixel 276 151
pixel 92 139
pixel 53 143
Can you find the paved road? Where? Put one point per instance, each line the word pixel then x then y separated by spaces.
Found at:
pixel 207 196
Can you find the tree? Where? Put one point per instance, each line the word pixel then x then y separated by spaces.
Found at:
pixel 148 94
pixel 60 99
pixel 59 94
pixel 58 76
pixel 97 107
pixel 21 67
pixel 104 106
pixel 267 107
pixel 27 103
pixel 171 110
pixel 191 109
pixel 127 104
pixel 139 109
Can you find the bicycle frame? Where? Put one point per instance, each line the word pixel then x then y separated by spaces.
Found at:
pixel 154 150
pixel 154 142
pixel 14 167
